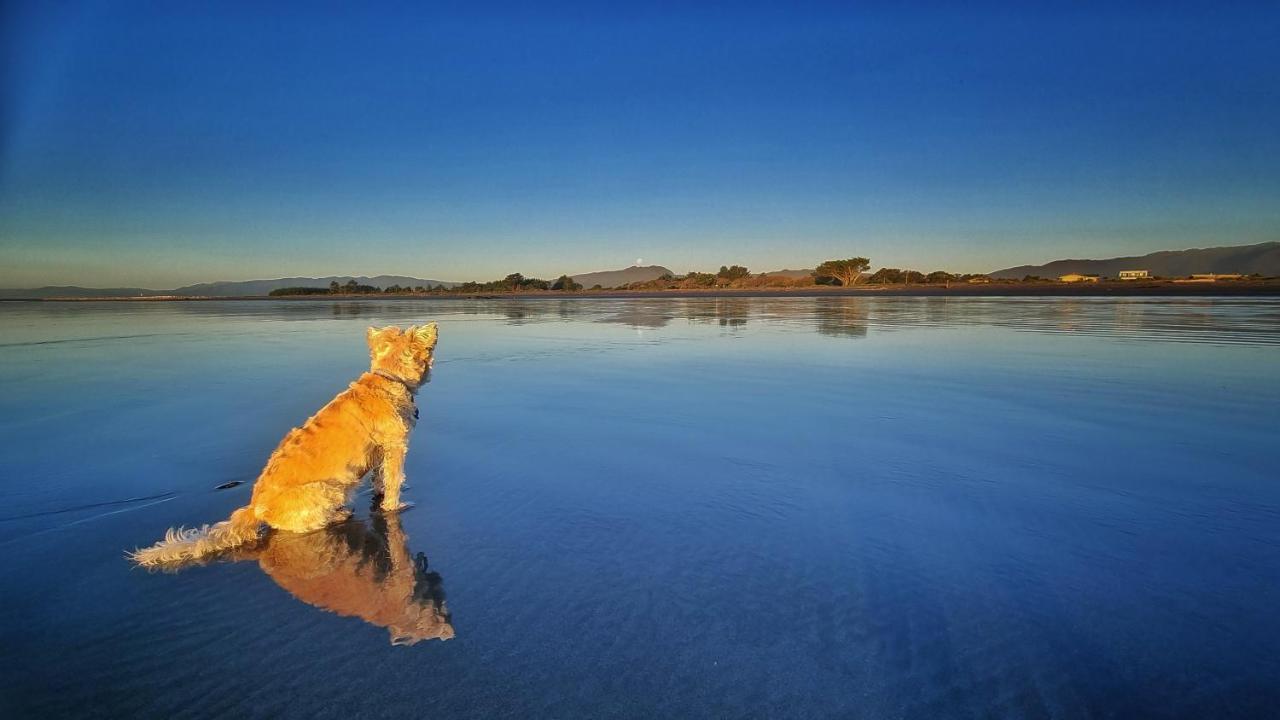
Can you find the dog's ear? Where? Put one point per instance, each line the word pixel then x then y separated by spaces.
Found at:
pixel 425 334
pixel 377 337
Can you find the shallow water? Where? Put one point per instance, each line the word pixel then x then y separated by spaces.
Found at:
pixel 880 508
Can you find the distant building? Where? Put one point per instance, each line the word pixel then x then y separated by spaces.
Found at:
pixel 1077 277
pixel 977 279
pixel 1135 274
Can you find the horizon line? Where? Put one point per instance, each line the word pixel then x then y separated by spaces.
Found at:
pixel 264 278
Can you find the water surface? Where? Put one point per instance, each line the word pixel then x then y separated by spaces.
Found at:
pixel 849 507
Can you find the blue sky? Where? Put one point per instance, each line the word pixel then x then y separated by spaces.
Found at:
pixel 157 144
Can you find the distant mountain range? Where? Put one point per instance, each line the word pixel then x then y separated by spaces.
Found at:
pixel 255 288
pixel 615 278
pixel 1263 258
pixel 264 287
pixel 73 291
pixel 244 288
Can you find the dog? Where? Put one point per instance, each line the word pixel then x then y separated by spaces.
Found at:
pixel 309 479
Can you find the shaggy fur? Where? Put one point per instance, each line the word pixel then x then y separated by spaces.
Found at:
pixel 310 477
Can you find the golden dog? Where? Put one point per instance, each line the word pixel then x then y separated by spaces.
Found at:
pixel 311 475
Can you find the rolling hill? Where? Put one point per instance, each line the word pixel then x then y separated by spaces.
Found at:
pixel 1263 259
pixel 75 291
pixel 615 278
pixel 263 287
pixel 244 288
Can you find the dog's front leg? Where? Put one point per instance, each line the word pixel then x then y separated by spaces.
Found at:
pixel 391 472
pixel 375 474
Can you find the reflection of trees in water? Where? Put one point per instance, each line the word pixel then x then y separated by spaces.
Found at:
pixel 639 318
pixel 516 312
pixel 849 317
pixel 522 312
pixel 378 311
pixel 841 317
pixel 564 310
pixel 728 312
pixel 938 310
pixel 350 309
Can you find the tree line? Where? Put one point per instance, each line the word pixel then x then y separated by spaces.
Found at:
pixel 840 272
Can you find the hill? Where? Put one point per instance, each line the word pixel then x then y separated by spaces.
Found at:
pixel 74 291
pixel 263 287
pixel 245 288
pixel 1263 258
pixel 615 278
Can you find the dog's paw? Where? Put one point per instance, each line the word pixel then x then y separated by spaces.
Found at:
pixel 403 506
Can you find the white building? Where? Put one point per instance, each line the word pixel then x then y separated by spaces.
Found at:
pixel 1135 274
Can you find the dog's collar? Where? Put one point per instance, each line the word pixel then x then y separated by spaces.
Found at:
pixel 393 378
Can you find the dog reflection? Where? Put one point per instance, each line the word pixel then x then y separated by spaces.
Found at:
pixel 359 569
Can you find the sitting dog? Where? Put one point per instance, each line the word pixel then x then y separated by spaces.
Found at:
pixel 312 474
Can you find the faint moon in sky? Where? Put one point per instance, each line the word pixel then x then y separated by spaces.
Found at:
pixel 639 261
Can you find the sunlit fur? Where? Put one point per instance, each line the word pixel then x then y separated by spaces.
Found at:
pixel 309 479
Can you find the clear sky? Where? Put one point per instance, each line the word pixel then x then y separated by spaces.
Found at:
pixel 157 144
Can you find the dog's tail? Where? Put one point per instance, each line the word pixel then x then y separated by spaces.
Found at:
pixel 182 545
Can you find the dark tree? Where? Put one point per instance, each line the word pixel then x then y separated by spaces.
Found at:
pixel 846 271
pixel 298 291
pixel 566 283
pixel 698 279
pixel 886 275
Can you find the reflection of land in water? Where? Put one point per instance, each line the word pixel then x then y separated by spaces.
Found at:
pixel 1191 319
pixel 728 312
pixel 357 568
pixel 847 320
pixel 641 316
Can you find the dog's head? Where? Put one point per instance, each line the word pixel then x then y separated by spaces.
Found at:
pixel 405 354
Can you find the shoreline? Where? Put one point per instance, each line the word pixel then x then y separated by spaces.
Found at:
pixel 1114 289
